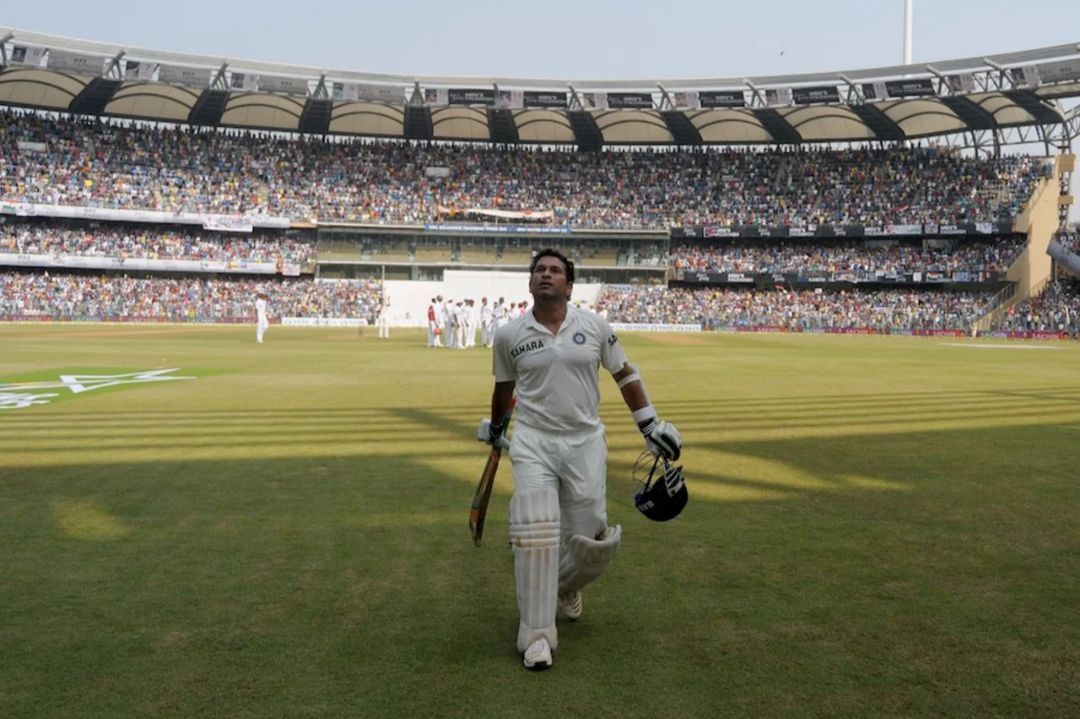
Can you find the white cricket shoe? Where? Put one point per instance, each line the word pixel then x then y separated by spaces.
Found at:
pixel 538 655
pixel 570 604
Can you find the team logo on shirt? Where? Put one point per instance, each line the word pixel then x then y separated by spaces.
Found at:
pixel 579 338
pixel 612 340
pixel 526 347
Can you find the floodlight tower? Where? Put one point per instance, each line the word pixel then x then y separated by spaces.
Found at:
pixel 907 31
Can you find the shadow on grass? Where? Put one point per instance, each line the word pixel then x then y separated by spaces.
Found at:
pixel 348 585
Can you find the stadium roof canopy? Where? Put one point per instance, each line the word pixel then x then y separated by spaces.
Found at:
pixel 981 101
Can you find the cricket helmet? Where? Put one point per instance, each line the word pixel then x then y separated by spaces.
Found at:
pixel 662 497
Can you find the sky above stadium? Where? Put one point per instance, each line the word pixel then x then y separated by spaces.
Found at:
pixel 563 39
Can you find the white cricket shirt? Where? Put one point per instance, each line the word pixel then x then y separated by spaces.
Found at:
pixel 558 387
pixel 260 309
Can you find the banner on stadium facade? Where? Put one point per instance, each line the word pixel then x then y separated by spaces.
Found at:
pixel 465 96
pixel 910 88
pixel 811 95
pixel 964 82
pixel 30 56
pixel 842 278
pixel 721 98
pixel 649 327
pixel 227 223
pixel 1059 71
pixel 481 212
pixel 353 92
pixel 436 96
pixel 390 94
pixel 899 89
pixel 594 100
pixel 183 75
pixel 141 70
pixel 903 229
pixel 545 99
pixel 1029 335
pixel 778 96
pixel 28 209
pixel 510 99
pixel 245 81
pixel 28 146
pixel 344 92
pixel 323 322
pixel 64 61
pixel 874 91
pixel 1027 76
pixel 504 229
pixel 719 231
pixel 283 85
pixel 686 100
pixel 1004 227
pixel 630 100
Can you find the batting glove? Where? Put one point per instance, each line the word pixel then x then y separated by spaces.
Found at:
pixel 492 434
pixel 662 439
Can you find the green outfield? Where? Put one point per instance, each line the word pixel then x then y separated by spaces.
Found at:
pixel 878 526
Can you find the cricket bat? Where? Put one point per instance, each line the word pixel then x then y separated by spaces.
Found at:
pixel 478 510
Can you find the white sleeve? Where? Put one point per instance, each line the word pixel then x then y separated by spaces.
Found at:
pixel 611 352
pixel 502 364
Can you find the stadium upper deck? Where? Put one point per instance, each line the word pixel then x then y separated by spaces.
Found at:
pixel 71 162
pixel 985 102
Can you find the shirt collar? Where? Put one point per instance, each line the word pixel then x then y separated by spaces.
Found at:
pixel 571 318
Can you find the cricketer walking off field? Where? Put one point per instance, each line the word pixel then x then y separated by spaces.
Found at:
pixel 559 528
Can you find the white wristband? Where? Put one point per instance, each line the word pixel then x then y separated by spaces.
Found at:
pixel 643 415
pixel 632 377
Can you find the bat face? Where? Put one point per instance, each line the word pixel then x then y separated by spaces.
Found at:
pixel 478 511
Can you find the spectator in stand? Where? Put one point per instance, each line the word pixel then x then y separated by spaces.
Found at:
pixel 1056 309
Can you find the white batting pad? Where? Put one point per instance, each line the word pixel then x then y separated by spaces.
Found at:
pixel 586 559
pixel 534 538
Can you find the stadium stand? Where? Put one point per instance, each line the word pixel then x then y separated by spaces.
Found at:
pixel 840 218
pixel 109 165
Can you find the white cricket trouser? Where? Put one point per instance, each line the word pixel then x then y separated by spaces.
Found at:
pixel 384 327
pixel 575 466
pixel 260 329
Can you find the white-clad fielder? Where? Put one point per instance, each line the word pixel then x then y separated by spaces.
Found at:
pixel 559 531
pixel 262 322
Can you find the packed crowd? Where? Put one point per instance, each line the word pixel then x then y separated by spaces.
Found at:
pixel 1056 309
pixel 111 298
pixel 1070 240
pixel 149 242
pixel 87 162
pixel 856 257
pixel 883 311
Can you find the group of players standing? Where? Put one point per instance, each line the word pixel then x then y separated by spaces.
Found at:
pixel 455 324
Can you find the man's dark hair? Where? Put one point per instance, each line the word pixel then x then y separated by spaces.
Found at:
pixel 552 252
